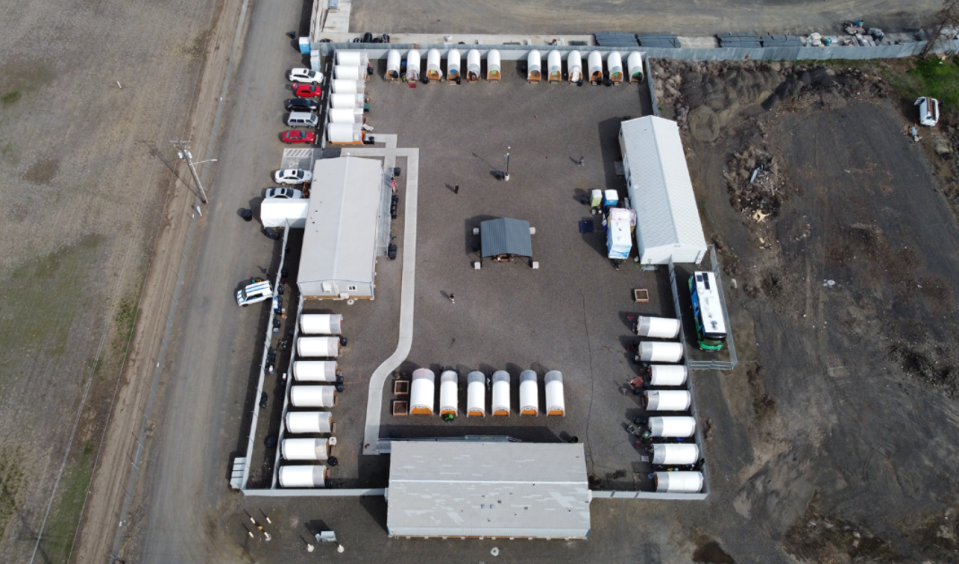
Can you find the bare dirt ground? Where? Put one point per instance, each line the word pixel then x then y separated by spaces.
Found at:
pixel 844 256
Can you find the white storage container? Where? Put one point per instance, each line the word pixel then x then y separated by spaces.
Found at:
pixel 657 327
pixel 501 393
pixel 314 370
pixel 303 476
pixel 678 482
pixel 313 396
pixel 302 422
pixel 449 393
pixel 321 323
pixel 422 392
pixel 666 400
pixel 667 374
pixel 574 66
pixel 528 393
pixel 679 454
pixel 305 449
pixel 650 351
pixel 476 395
pixel 672 427
pixel 318 347
pixel 555 400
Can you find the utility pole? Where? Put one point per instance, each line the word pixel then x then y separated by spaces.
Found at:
pixel 183 151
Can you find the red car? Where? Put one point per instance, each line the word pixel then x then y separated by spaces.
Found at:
pixel 306 90
pixel 298 137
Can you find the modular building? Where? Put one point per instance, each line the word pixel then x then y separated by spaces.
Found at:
pixel 459 489
pixel 657 178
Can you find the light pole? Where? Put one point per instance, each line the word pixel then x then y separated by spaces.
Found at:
pixel 506 176
pixel 183 151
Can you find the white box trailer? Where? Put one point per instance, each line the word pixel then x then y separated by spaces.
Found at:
pixel 309 422
pixel 305 449
pixel 321 324
pixel 295 476
pixel 476 394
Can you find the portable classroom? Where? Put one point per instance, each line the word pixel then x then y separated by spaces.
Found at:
pixel 413 65
pixel 449 393
pixel 595 65
pixel 472 65
pixel 672 427
pixel 678 482
pixel 305 449
pixel 321 323
pixel 679 453
pixel 493 65
pixel 574 66
pixel 554 65
pixel 312 422
pixel 344 133
pixel 635 65
pixel 433 71
pixel 649 351
pixel 392 65
pixel 555 401
pixel 347 101
pixel 354 58
pixel 476 394
pixel 453 65
pixel 666 400
pixel 614 63
pixel 318 347
pixel 348 86
pixel 295 476
pixel 501 393
pixel 349 72
pixel 346 115
pixel 314 370
pixel 528 393
pixel 619 240
pixel 312 396
pixel 657 327
pixel 422 392
pixel 667 374
pixel 534 66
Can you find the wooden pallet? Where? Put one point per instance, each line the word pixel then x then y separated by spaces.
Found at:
pixel 641 295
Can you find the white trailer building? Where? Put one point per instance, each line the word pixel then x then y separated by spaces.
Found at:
pixel 657 178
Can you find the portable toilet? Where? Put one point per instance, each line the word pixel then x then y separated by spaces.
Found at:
pixel 346 115
pixel 635 65
pixel 678 454
pixel 304 45
pixel 433 71
pixel 666 400
pixel 348 86
pixel 297 476
pixel 476 395
pixel 453 65
pixel 321 323
pixel 315 370
pixel 614 63
pixel 501 393
pixel 610 198
pixel 534 66
pixel 528 393
pixel 349 72
pixel 305 449
pixel 672 427
pixel 595 198
pixel 449 393
pixel 493 65
pixel 318 347
pixel 344 133
pixel 650 351
pixel 421 392
pixel 347 101
pixel 555 402
pixel 354 58
pixel 595 64
pixel 413 65
pixel 678 482
pixel 619 241
pixel 313 422
pixel 312 396
pixel 574 65
pixel 472 65
pixel 667 374
pixel 657 327
pixel 392 65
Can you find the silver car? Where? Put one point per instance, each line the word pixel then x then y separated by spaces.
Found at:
pixel 292 176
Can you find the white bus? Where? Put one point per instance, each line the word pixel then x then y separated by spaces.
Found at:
pixel 707 311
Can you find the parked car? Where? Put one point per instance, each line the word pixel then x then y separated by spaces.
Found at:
pixel 258 291
pixel 283 193
pixel 301 105
pixel 305 75
pixel 928 111
pixel 292 176
pixel 306 90
pixel 295 136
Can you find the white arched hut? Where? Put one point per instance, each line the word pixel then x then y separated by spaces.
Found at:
pixel 657 327
pixel 354 58
pixel 554 66
pixel 449 392
pixel 296 476
pixel 501 393
pixel 672 427
pixel 433 71
pixel 453 66
pixel 349 72
pixel 315 370
pixel 392 65
pixel 614 63
pixel 476 394
pixel 305 449
pixel 321 323
pixel 679 454
pixel 635 65
pixel 472 66
pixel 534 66
pixel 528 393
pixel 413 65
pixel 318 347
pixel 654 351
pixel 555 401
pixel 574 66
pixel 344 133
pixel 313 396
pixel 346 101
pixel 493 65
pixel 346 115
pixel 312 422
pixel 422 392
pixel 595 65
pixel 666 400
pixel 678 482
pixel 348 86
pixel 667 374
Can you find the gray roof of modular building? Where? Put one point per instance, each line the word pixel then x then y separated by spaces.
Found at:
pixel 487 489
pixel 505 236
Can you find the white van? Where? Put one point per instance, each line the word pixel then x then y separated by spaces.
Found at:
pixel 302 119
pixel 254 293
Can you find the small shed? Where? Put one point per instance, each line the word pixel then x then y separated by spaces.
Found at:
pixel 528 393
pixel 574 66
pixel 433 71
pixel 318 347
pixel 505 238
pixel 534 66
pixel 555 401
pixel 554 65
pixel 296 476
pixel 349 72
pixel 449 393
pixel 493 65
pixel 635 65
pixel 413 65
pixel 672 427
pixel 315 370
pixel 453 65
pixel 595 64
pixel 473 65
pixel 309 422
pixel 476 394
pixel 305 449
pixel 321 323
pixel 614 63
pixel 422 392
pixel 392 65
pixel 312 396
pixel 666 400
pixel 501 393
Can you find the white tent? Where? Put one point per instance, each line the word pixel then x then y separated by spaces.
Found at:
pixel 312 396
pixel 476 395
pixel 472 65
pixel 295 476
pixel 680 454
pixel 501 393
pixel 318 347
pixel 678 482
pixel 614 62
pixel 574 66
pixel 449 393
pixel 276 212
pixel 667 374
pixel 305 449
pixel 595 64
pixel 344 134
pixel 676 426
pixel 657 178
pixel 321 323
pixel 555 402
pixel 421 392
pixel 554 65
pixel 635 65
pixel 392 65
pixel 493 65
pixel 413 65
pixel 657 351
pixel 528 393
pixel 349 72
pixel 433 71
pixel 314 370
pixel 534 66
pixel 346 101
pixel 348 86
pixel 666 400
pixel 355 58
pixel 312 422
pixel 657 327
pixel 453 65
pixel 346 115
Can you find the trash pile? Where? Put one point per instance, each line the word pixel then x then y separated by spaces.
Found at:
pixel 756 187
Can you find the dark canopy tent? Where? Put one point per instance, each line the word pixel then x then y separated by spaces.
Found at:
pixel 505 236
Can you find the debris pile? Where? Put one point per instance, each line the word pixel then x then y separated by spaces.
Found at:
pixel 755 185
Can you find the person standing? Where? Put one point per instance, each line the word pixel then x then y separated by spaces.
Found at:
pixel 452 299
pixel 580 163
pixel 456 189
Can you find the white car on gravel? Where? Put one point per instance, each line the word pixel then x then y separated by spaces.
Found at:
pixel 928 111
pixel 292 176
pixel 305 75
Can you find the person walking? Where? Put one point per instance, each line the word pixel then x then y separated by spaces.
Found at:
pixel 452 299
pixel 580 163
pixel 456 189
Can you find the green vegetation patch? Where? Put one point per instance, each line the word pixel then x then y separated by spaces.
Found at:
pixel 931 77
pixel 57 541
pixel 11 483
pixel 10 98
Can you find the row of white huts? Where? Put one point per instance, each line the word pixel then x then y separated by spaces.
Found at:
pixel 423 393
